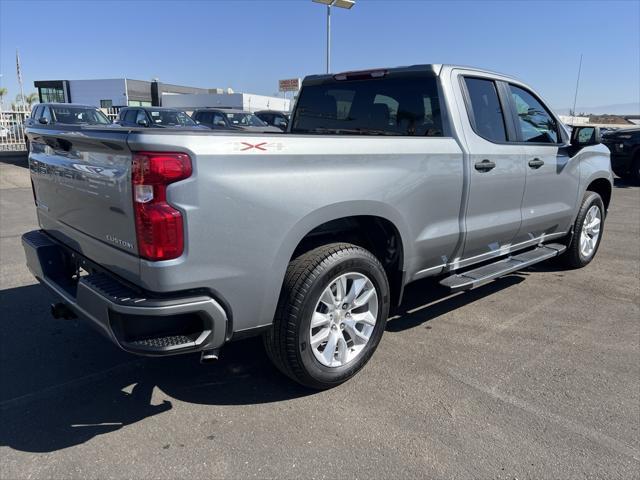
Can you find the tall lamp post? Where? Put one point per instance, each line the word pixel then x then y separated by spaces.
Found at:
pixel 346 4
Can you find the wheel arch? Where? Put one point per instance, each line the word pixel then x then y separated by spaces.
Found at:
pixel 601 186
pixel 371 225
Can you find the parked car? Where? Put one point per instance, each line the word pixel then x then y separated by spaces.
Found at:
pixel 309 238
pixel 231 119
pixel 65 114
pixel 45 115
pixel 155 117
pixel 624 145
pixel 274 118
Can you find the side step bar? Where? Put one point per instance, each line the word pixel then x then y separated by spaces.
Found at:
pixel 485 274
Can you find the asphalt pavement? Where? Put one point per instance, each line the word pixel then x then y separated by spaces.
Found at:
pixel 536 375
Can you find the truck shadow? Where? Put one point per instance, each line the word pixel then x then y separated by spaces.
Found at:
pixel 19 159
pixel 426 300
pixel 62 384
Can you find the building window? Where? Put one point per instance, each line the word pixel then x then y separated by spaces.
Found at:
pixel 51 95
pixel 106 103
pixel 139 103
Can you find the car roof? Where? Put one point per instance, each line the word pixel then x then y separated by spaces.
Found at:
pixel 146 107
pixel 221 109
pixel 59 104
pixel 272 111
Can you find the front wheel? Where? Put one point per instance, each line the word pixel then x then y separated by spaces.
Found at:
pixel 331 315
pixel 587 231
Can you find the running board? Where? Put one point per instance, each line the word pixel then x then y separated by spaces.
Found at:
pixel 485 274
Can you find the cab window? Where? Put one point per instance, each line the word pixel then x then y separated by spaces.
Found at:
pixel 485 109
pixel 535 123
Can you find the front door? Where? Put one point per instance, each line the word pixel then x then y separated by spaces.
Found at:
pixel 552 179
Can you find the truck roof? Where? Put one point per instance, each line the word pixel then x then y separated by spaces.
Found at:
pixel 434 69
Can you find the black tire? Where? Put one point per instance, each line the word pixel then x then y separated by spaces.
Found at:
pixel 573 257
pixel 287 342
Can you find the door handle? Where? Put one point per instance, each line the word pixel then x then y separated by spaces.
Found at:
pixel 536 163
pixel 484 166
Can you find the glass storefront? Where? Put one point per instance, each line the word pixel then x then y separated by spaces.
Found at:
pixel 51 95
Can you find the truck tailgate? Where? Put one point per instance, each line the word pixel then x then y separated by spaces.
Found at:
pixel 83 193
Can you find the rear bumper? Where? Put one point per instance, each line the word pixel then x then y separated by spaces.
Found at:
pixel 137 321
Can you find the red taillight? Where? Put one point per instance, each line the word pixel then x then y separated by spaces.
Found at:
pixel 159 227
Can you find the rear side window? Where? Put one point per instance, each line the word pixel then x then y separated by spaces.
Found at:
pixel 204 117
pixel 130 116
pixel 376 106
pixel 534 121
pixel 486 111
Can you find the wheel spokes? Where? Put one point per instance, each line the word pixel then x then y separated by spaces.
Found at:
pixel 344 319
pixel 329 351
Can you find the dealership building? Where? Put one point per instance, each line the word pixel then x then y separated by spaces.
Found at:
pixel 123 92
pixel 110 92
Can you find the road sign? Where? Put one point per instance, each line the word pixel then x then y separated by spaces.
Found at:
pixel 289 85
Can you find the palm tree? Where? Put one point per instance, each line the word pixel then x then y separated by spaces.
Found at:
pixel 32 98
pixel 28 100
pixel 3 92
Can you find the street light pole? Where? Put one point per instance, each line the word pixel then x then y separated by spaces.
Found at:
pixel 328 38
pixel 346 4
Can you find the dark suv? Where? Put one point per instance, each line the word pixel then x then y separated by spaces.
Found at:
pixel 155 117
pixel 231 119
pixel 65 114
pixel 44 114
pixel 274 118
pixel 624 145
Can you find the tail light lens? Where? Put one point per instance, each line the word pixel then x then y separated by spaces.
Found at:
pixel 159 226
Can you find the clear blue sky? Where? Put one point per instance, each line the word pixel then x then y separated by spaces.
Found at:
pixel 249 45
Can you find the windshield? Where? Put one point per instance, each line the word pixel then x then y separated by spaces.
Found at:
pixel 244 120
pixel 79 116
pixel 171 118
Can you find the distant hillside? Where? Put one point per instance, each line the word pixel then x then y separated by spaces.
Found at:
pixel 616 109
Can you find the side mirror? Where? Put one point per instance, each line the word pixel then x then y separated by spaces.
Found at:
pixel 585 136
pixel 143 122
pixel 220 123
pixel 43 120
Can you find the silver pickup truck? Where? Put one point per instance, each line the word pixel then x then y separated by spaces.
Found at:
pixel 180 241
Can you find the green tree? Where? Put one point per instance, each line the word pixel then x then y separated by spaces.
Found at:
pixel 32 98
pixel 3 92
pixel 29 99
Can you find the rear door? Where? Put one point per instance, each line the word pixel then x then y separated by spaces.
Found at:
pixel 496 170
pixel 552 179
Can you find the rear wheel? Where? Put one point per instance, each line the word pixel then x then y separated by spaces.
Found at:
pixel 587 231
pixel 331 315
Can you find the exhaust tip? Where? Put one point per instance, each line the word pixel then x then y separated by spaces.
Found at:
pixel 209 356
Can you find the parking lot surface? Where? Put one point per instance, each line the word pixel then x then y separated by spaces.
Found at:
pixel 536 375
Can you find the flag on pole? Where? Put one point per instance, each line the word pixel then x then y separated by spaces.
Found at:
pixel 19 72
pixel 18 67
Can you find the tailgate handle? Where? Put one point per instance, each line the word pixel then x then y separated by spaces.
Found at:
pixel 485 165
pixel 536 163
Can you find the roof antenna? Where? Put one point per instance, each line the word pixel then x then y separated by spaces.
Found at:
pixel 575 97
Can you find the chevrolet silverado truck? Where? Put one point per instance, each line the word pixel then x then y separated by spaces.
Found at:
pixel 177 241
